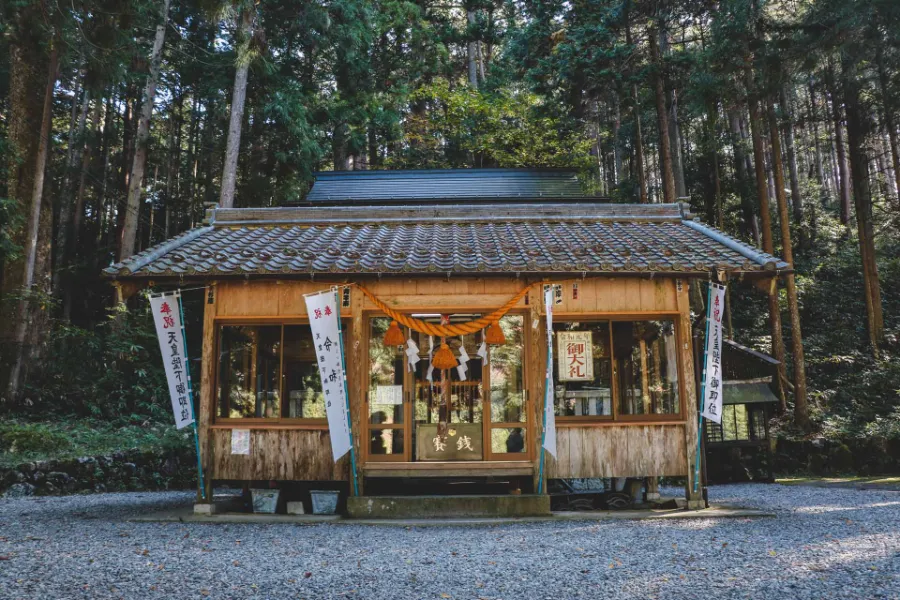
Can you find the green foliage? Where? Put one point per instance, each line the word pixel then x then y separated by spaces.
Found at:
pixel 113 370
pixel 22 441
pixel 470 128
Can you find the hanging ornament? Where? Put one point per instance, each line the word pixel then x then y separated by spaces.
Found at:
pixel 494 335
pixel 412 354
pixel 443 358
pixel 430 374
pixel 394 336
pixel 482 351
pixel 463 366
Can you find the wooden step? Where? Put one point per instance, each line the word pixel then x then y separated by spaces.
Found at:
pixel 500 468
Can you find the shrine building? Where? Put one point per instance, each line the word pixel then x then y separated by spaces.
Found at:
pixel 449 248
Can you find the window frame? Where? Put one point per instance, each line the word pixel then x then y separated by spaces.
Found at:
pixel 618 419
pixel 279 422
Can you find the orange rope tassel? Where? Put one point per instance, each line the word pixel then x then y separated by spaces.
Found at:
pixel 394 336
pixel 443 358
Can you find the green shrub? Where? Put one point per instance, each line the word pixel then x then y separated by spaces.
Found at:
pixel 32 438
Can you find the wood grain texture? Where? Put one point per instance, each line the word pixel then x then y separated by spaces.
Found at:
pixel 636 451
pixel 279 454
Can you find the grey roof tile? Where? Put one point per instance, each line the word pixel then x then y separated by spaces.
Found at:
pixel 486 238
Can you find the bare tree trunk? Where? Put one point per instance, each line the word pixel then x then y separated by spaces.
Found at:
pixel 470 49
pixel 843 172
pixel 814 120
pixel 790 151
pixel 756 133
pixel 665 151
pixel 858 127
pixel 672 118
pixel 238 97
pixel 636 115
pixel 750 228
pixel 890 122
pixel 801 405
pixel 136 180
pixel 32 227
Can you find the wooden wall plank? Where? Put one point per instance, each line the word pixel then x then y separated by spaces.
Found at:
pixel 628 451
pixel 279 454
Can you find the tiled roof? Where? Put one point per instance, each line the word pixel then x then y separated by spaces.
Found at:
pixel 476 239
pixel 443 184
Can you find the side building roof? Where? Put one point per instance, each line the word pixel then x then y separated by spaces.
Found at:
pixel 475 239
pixel 444 185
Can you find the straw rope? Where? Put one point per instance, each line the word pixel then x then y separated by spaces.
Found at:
pixel 451 329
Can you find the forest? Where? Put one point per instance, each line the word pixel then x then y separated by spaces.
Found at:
pixel 777 121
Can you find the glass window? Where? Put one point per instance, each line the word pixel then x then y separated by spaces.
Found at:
pixel 385 376
pixel 302 384
pixel 250 365
pixel 582 390
pixel 385 441
pixel 508 440
pixel 508 373
pixel 646 367
pixel 268 372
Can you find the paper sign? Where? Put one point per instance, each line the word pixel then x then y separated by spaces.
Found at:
pixel 240 441
pixel 712 372
pixel 388 394
pixel 576 356
pixel 323 321
pixel 549 416
pixel 167 317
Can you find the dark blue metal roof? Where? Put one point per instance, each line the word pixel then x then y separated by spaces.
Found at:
pixel 444 184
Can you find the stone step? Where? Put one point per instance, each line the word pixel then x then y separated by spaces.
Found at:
pixel 419 507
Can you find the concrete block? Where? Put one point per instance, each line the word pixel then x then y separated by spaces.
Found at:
pixel 423 507
pixel 204 508
pixel 295 508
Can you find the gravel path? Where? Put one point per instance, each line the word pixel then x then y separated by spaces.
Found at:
pixel 825 543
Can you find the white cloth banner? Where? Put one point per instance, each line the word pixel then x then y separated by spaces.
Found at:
pixel 323 321
pixel 712 371
pixel 167 317
pixel 412 354
pixel 549 416
pixel 430 374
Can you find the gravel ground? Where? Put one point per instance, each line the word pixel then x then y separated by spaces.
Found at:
pixel 824 543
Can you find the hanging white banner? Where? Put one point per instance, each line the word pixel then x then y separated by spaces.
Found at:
pixel 323 321
pixel 549 416
pixel 712 371
pixel 167 317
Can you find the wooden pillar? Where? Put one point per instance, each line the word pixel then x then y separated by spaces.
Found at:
pixel 206 406
pixel 536 355
pixel 652 489
pixel 695 499
pixel 357 377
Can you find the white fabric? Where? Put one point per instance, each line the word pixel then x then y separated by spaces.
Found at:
pixel 167 317
pixel 549 416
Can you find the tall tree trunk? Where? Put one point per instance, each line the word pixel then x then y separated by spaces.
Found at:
pixel 636 115
pixel 136 180
pixel 858 128
pixel 762 192
pixel 665 151
pixel 470 49
pixel 750 226
pixel 801 405
pixel 672 117
pixel 791 153
pixel 814 120
pixel 37 212
pixel 890 121
pixel 238 97
pixel 714 212
pixel 843 172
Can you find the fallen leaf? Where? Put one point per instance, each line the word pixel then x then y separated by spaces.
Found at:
pixel 772 553
pixel 307 574
pixel 444 595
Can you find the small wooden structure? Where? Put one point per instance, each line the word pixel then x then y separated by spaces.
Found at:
pixel 449 245
pixel 740 448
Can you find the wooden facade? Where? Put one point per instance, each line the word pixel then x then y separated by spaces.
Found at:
pixel 647 445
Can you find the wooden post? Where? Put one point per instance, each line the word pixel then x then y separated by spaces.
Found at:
pixel 358 379
pixel 207 394
pixel 694 500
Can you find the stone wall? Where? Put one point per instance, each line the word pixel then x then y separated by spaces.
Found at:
pixel 128 470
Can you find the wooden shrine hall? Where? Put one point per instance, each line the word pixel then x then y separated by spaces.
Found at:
pixel 445 248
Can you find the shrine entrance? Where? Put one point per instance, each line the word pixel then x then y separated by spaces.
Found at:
pixel 477 411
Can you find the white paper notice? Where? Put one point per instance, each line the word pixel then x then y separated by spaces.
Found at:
pixel 323 321
pixel 240 441
pixel 549 416
pixel 167 317
pixel 712 382
pixel 576 356
pixel 388 394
